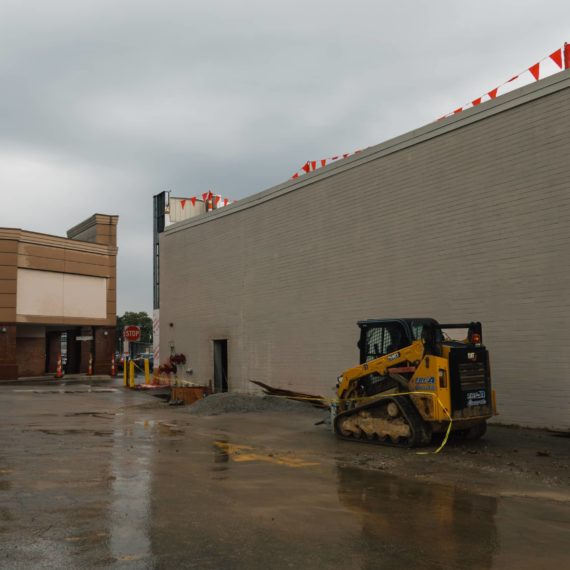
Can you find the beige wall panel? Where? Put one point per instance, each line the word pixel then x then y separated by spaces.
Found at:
pixel 51 294
pixel 471 224
pixel 7 300
pixel 84 296
pixel 40 293
pixel 7 286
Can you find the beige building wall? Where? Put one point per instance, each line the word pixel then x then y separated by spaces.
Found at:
pixel 464 219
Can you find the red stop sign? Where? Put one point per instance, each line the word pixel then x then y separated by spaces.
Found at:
pixel 132 333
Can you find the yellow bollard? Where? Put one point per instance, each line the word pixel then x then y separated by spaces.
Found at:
pixel 125 378
pixel 146 371
pixel 131 374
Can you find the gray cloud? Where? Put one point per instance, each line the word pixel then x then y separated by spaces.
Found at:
pixel 105 103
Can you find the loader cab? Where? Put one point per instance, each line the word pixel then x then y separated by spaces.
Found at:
pixel 384 336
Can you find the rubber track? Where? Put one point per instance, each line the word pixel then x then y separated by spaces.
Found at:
pixel 420 430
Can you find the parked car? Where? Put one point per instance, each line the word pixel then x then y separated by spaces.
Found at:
pixel 119 358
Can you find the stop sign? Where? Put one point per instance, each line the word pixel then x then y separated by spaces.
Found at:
pixel 132 333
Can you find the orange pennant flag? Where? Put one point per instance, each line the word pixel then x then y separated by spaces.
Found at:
pixel 556 57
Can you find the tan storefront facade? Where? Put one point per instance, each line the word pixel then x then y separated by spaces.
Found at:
pixel 58 297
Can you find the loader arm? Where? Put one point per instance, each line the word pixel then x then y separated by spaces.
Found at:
pixel 409 356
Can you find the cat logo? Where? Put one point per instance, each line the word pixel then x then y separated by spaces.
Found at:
pixel 472 356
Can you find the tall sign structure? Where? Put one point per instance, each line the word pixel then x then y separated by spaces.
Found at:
pixel 159 213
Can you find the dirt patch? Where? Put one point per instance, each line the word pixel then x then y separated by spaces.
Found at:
pixel 227 403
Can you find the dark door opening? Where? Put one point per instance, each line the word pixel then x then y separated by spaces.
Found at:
pixel 221 365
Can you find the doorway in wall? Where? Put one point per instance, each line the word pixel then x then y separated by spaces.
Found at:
pixel 221 365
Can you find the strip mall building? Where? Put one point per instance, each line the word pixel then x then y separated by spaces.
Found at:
pixel 464 219
pixel 58 295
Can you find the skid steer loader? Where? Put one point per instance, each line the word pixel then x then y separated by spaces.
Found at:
pixel 414 376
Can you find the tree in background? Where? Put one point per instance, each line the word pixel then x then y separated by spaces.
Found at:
pixel 141 319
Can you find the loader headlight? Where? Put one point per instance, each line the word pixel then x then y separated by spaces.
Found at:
pixel 339 380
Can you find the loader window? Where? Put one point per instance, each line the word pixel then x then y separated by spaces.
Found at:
pixel 417 330
pixel 374 343
pixel 383 340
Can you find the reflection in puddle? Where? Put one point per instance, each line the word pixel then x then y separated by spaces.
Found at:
pixel 162 426
pixel 221 457
pixel 246 453
pixel 131 488
pixel 419 524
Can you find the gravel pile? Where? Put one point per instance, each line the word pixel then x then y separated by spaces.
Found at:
pixel 229 402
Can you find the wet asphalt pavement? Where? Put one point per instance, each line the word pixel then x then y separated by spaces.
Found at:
pixel 104 477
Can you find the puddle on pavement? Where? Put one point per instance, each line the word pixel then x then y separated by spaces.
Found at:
pixel 98 433
pixel 220 504
pixel 64 391
pixel 100 415
pixel 445 527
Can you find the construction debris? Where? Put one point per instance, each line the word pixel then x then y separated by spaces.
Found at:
pixel 318 401
pixel 232 402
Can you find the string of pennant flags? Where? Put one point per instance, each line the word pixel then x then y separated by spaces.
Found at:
pixel 560 57
pixel 209 198
pixel 312 165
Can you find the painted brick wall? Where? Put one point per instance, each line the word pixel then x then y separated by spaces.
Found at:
pixel 469 225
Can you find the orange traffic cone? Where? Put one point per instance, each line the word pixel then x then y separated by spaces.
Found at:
pixel 113 368
pixel 90 367
pixel 59 369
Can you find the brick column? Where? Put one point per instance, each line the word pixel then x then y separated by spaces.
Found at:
pixel 104 349
pixel 8 362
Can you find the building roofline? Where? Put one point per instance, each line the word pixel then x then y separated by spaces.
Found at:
pixel 91 221
pixel 515 98
pixel 37 238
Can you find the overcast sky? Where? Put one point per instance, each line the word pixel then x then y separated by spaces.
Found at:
pixel 105 103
